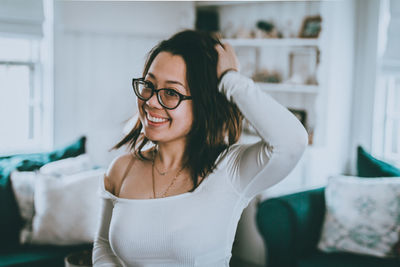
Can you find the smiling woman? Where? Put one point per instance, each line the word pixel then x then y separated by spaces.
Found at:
pixel 178 202
pixel 186 66
pixel 167 70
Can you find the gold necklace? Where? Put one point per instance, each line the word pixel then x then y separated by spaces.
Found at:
pixel 170 185
pixel 159 172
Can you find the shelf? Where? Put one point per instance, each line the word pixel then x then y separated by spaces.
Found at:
pixel 288 88
pixel 273 42
pixel 224 3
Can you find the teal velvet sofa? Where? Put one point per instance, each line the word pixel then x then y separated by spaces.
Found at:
pixel 12 253
pixel 291 226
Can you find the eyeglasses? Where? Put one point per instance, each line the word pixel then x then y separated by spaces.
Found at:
pixel 168 98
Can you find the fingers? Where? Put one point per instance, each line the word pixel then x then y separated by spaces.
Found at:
pixel 224 47
pixel 225 50
pixel 219 48
pixel 227 59
pixel 228 47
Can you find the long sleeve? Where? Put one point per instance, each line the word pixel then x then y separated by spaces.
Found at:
pixel 255 167
pixel 102 252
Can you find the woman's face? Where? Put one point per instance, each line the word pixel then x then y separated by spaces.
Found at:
pixel 160 124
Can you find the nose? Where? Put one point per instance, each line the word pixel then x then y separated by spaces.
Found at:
pixel 153 102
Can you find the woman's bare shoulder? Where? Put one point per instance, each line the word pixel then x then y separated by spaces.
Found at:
pixel 115 171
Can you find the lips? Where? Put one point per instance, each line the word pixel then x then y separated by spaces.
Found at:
pixel 155 119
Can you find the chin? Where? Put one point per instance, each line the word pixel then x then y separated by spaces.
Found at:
pixel 164 133
pixel 152 137
pixel 156 136
pixel 162 138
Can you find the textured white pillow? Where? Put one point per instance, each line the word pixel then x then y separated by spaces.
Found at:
pixel 23 186
pixel 67 166
pixel 66 209
pixel 362 215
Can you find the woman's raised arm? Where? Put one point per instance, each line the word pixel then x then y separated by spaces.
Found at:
pixel 253 168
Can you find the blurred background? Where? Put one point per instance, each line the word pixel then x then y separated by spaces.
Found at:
pixel 66 70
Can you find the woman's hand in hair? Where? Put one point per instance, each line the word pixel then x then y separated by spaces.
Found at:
pixel 227 59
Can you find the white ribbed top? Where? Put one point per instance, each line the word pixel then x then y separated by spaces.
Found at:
pixel 198 228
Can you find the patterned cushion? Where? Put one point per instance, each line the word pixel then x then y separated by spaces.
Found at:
pixel 362 216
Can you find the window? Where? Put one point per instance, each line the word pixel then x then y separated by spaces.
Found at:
pixel 20 94
pixel 26 76
pixel 391 137
pixel 386 132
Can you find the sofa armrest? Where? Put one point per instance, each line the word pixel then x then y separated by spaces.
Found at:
pixel 290 225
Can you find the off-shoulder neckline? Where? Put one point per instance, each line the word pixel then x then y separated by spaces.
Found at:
pixel 221 158
pixel 112 196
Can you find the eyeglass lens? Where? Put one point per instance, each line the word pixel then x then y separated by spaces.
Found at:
pixel 167 97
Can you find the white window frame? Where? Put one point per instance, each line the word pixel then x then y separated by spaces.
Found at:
pixel 384 113
pixel 391 115
pixel 42 82
pixel 34 102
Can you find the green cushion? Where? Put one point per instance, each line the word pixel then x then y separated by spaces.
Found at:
pixel 39 255
pixel 290 225
pixel 11 222
pixel 368 166
pixel 345 260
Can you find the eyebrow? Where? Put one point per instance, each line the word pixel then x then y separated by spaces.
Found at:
pixel 169 81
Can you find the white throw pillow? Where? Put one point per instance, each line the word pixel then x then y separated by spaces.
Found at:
pixel 23 186
pixel 362 215
pixel 66 209
pixel 67 166
pixel 23 183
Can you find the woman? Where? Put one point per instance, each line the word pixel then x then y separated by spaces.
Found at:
pixel 176 199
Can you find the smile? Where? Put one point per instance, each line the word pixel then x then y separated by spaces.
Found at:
pixel 154 119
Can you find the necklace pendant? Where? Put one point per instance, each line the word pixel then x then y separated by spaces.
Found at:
pixel 162 173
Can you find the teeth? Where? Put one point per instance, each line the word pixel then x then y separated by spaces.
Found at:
pixel 153 119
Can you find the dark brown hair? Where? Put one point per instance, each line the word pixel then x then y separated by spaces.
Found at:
pixel 217 123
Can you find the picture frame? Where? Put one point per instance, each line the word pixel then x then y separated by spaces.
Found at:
pixel 311 27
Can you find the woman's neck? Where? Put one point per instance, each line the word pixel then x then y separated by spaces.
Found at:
pixel 169 156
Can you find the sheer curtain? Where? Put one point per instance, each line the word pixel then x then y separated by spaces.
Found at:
pixel 387 103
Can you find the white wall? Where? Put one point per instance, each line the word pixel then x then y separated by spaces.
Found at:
pixel 365 77
pixel 337 81
pixel 99 48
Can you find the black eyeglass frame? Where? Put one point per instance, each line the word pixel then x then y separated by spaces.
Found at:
pixel 150 85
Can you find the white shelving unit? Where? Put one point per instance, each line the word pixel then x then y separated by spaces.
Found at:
pixel 223 3
pixel 274 55
pixel 288 88
pixel 263 42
